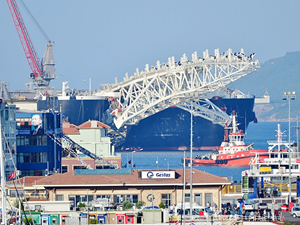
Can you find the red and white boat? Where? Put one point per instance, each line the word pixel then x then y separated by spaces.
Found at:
pixel 232 152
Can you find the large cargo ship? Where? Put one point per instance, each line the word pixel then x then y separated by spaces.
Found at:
pixel 170 129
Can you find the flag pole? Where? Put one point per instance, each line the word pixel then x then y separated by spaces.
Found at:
pixel 3 178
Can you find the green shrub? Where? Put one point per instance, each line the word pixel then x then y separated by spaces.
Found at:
pixel 139 204
pixel 27 220
pixel 81 205
pixel 127 205
pixel 161 205
pixel 94 221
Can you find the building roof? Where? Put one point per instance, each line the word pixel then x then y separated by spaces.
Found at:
pixel 70 179
pixel 92 124
pixel 27 181
pixel 69 128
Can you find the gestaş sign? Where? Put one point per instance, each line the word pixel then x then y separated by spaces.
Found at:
pixel 158 174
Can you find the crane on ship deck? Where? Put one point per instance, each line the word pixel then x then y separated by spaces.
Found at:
pixel 42 73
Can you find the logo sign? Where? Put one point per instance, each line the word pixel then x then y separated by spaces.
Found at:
pixel 158 174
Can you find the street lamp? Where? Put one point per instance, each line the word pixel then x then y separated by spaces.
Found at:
pixel 87 199
pixel 289 96
pixel 132 159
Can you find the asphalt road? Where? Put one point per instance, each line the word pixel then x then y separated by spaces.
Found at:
pixel 288 217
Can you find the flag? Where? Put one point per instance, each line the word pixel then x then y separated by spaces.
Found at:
pixel 12 175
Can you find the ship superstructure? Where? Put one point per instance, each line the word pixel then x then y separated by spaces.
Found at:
pixel 275 169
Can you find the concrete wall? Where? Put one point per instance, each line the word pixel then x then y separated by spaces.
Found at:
pixel 47 206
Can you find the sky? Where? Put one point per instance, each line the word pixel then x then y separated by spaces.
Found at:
pixel 102 40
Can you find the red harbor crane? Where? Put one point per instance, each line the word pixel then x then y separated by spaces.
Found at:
pixel 42 73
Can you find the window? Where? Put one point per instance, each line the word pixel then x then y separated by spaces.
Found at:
pixel 121 198
pixel 118 198
pixel 103 197
pixel 13 193
pixel 208 198
pixel 79 167
pixel 198 198
pixel 132 198
pixel 166 199
pixel 72 199
pixel 187 198
pixel 64 169
pixel 59 197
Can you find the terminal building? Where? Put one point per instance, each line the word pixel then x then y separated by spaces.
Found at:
pixel 119 185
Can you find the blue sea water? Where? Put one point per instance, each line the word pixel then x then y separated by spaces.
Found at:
pixel 258 134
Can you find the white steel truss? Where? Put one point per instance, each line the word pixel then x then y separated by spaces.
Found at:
pixel 207 110
pixel 163 86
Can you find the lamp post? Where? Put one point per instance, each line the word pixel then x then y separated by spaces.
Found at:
pixel 191 165
pixel 88 212
pixel 289 96
pixel 132 159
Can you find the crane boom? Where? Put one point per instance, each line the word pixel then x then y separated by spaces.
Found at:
pixel 29 51
pixel 41 73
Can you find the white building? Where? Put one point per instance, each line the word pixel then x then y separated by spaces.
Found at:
pixel 91 135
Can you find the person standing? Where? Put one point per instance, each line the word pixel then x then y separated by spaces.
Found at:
pixel 208 205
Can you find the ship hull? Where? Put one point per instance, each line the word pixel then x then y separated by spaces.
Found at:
pixel 170 129
pixel 239 159
pixel 77 110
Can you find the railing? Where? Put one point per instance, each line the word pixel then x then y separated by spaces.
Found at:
pixel 226 218
pixel 237 188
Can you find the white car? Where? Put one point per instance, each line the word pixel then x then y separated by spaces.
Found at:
pixel 248 206
pixel 262 206
pixel 295 211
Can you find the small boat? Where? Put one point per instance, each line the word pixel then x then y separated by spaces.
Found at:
pixel 232 152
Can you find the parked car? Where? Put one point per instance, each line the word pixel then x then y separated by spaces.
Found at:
pixel 262 205
pixel 248 206
pixel 295 211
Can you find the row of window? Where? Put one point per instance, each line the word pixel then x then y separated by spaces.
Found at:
pixel 65 169
pixel 32 157
pixel 32 140
pixel 165 198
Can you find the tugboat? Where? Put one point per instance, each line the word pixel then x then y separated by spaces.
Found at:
pixel 232 152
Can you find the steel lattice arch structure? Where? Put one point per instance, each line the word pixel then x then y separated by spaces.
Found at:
pixel 183 84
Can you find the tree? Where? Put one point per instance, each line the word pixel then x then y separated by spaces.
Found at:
pixel 16 203
pixel 127 205
pixel 161 205
pixel 81 205
pixel 27 220
pixel 140 204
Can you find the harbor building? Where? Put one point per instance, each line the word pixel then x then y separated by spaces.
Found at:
pixel 37 152
pixel 8 123
pixel 116 186
pixel 104 191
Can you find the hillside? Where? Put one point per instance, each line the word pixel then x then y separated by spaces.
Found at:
pixel 276 76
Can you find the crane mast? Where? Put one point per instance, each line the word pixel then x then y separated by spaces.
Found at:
pixel 43 73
